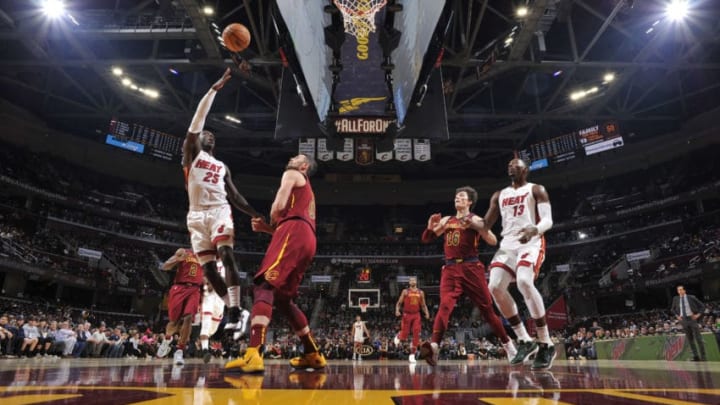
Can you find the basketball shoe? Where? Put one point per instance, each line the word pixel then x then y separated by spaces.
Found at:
pixel 178 358
pixel 524 351
pixel 251 362
pixel 544 358
pixel 314 360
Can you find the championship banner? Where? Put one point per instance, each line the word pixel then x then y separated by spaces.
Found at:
pixel 421 149
pixel 346 154
pixel 384 156
pixel 403 150
pixel 362 91
pixel 364 152
pixel 323 154
pixel 307 147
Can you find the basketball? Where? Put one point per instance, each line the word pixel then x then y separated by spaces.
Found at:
pixel 236 37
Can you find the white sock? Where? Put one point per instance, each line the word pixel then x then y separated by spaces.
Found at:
pixel 544 335
pixel 205 344
pixel 521 332
pixel 234 296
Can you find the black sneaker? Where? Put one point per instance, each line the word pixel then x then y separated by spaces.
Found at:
pixel 544 358
pixel 524 351
pixel 206 356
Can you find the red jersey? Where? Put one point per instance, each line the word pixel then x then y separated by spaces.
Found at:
pixel 300 205
pixel 412 301
pixel 460 243
pixel 189 271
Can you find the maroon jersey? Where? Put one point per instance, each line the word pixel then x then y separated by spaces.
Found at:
pixel 300 205
pixel 460 243
pixel 411 303
pixel 189 271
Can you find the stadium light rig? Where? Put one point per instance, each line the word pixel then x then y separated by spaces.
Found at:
pixel 677 9
pixel 53 8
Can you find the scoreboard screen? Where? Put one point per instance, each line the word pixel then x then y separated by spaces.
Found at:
pixel 587 141
pixel 143 140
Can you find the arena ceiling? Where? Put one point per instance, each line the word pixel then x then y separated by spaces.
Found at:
pixel 498 101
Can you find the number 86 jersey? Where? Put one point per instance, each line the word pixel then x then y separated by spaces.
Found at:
pixel 518 210
pixel 206 182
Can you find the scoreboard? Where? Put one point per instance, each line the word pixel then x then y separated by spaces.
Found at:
pixel 586 141
pixel 143 140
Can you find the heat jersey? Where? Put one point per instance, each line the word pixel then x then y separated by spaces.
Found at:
pixel 206 182
pixel 518 210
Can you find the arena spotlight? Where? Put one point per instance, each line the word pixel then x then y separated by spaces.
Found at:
pixel 677 9
pixel 608 77
pixel 53 8
pixel 578 95
pixel 233 119
pixel 117 71
pixel 126 82
pixel 521 11
pixel 207 10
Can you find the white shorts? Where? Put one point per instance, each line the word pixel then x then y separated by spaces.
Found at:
pixel 210 228
pixel 212 313
pixel 360 339
pixel 530 255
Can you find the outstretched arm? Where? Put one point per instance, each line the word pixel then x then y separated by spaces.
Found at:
pixel 191 145
pixel 235 198
pixel 178 257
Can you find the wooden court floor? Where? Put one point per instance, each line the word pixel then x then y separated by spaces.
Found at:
pixel 126 381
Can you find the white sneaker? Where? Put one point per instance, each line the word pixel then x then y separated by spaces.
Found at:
pixel 242 325
pixel 411 358
pixel 178 358
pixel 396 340
pixel 164 348
pixel 510 350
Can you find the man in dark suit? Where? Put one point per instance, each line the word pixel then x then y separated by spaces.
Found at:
pixel 688 309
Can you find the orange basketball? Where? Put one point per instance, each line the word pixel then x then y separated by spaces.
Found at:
pixel 236 37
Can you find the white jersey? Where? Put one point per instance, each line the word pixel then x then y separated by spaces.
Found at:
pixel 518 210
pixel 358 331
pixel 206 182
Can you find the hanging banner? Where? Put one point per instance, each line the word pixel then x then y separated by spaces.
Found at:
pixel 384 156
pixel 323 154
pixel 421 149
pixel 403 150
pixel 556 314
pixel 364 149
pixel 347 153
pixel 307 147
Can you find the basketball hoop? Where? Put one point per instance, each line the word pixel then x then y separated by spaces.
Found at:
pixel 364 307
pixel 359 15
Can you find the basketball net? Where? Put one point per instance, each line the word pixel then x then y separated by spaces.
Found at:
pixel 363 307
pixel 359 15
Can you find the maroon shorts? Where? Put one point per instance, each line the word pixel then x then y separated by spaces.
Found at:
pixel 183 300
pixel 468 278
pixel 291 251
pixel 410 323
